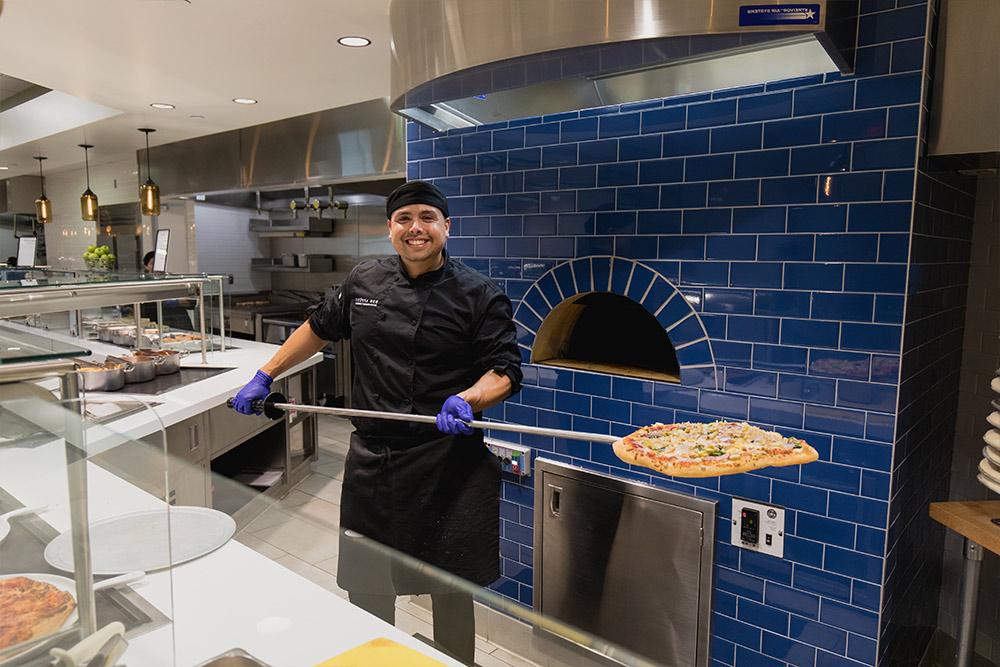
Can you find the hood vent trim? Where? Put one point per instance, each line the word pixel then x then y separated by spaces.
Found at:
pixel 462 72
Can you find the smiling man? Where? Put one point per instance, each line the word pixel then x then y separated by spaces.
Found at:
pixel 428 334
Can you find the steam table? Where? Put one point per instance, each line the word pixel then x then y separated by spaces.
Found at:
pixel 973 521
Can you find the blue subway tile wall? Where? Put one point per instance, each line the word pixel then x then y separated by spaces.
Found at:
pixel 928 403
pixel 768 231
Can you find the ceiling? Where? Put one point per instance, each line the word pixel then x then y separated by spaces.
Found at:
pixel 197 55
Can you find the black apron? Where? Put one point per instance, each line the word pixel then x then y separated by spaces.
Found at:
pixel 438 501
pixel 436 498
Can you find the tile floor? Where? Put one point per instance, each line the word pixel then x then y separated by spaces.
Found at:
pixel 301 533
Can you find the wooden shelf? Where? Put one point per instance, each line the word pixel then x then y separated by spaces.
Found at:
pixel 971 519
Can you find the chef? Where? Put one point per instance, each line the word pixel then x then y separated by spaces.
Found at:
pixel 174 310
pixel 428 335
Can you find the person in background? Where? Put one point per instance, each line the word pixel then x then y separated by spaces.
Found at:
pixel 175 314
pixel 428 334
pixel 13 275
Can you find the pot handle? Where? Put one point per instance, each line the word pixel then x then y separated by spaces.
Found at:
pixel 158 360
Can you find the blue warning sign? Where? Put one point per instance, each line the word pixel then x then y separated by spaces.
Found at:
pixel 779 15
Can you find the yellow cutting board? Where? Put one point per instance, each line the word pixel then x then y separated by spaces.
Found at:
pixel 381 652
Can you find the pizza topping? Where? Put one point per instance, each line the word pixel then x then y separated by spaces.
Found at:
pixel 701 449
pixel 30 609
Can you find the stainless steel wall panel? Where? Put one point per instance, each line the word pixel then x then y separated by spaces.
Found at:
pixel 965 105
pixel 625 562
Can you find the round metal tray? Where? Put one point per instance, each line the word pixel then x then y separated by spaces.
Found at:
pixel 141 540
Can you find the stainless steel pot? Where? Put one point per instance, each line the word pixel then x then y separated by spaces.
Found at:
pixel 167 361
pixel 122 335
pixel 97 377
pixel 141 368
pixel 105 332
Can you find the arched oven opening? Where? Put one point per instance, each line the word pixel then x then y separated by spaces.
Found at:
pixel 606 333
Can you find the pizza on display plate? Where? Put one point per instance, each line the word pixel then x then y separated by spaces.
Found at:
pixel 31 608
pixel 693 449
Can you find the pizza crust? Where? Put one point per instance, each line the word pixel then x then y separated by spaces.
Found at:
pixel 627 450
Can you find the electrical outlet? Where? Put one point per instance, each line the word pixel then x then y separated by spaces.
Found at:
pixel 514 458
pixel 758 527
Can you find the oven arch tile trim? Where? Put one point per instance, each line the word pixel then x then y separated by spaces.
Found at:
pixel 633 280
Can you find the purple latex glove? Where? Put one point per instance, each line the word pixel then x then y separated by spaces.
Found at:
pixel 453 413
pixel 256 389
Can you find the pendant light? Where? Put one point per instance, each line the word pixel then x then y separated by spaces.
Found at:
pixel 88 200
pixel 43 207
pixel 149 192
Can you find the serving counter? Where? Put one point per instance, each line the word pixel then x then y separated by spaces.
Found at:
pixel 77 467
pixel 232 597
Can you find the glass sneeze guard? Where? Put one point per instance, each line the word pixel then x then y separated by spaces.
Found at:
pixel 79 296
pixel 58 495
pixel 21 347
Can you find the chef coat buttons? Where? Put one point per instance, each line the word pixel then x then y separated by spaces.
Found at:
pixel 381 316
pixel 376 396
pixel 413 322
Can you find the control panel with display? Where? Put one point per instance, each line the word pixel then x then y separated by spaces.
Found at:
pixel 758 527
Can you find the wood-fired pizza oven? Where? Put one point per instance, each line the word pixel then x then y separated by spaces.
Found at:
pixel 607 333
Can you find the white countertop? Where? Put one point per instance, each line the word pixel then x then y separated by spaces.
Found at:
pixel 231 598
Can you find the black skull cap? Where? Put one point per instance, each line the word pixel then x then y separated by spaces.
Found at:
pixel 415 192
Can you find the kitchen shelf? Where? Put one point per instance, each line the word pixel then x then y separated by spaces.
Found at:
pixel 317 264
pixel 292 227
pixel 286 269
pixel 292 235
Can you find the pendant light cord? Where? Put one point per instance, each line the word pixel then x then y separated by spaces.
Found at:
pixel 40 176
pixel 149 171
pixel 86 161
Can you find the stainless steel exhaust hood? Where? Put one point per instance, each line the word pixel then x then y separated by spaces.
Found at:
pixel 17 194
pixel 350 144
pixel 460 63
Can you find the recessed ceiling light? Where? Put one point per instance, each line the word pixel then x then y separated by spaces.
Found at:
pixel 4 168
pixel 162 105
pixel 244 100
pixel 195 115
pixel 352 40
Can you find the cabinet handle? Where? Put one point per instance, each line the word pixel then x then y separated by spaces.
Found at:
pixel 195 440
pixel 555 498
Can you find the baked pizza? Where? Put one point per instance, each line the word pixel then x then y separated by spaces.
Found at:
pixel 692 449
pixel 30 609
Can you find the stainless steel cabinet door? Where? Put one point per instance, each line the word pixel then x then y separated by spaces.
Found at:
pixel 625 568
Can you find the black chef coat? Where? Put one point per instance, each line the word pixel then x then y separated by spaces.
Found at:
pixel 415 342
